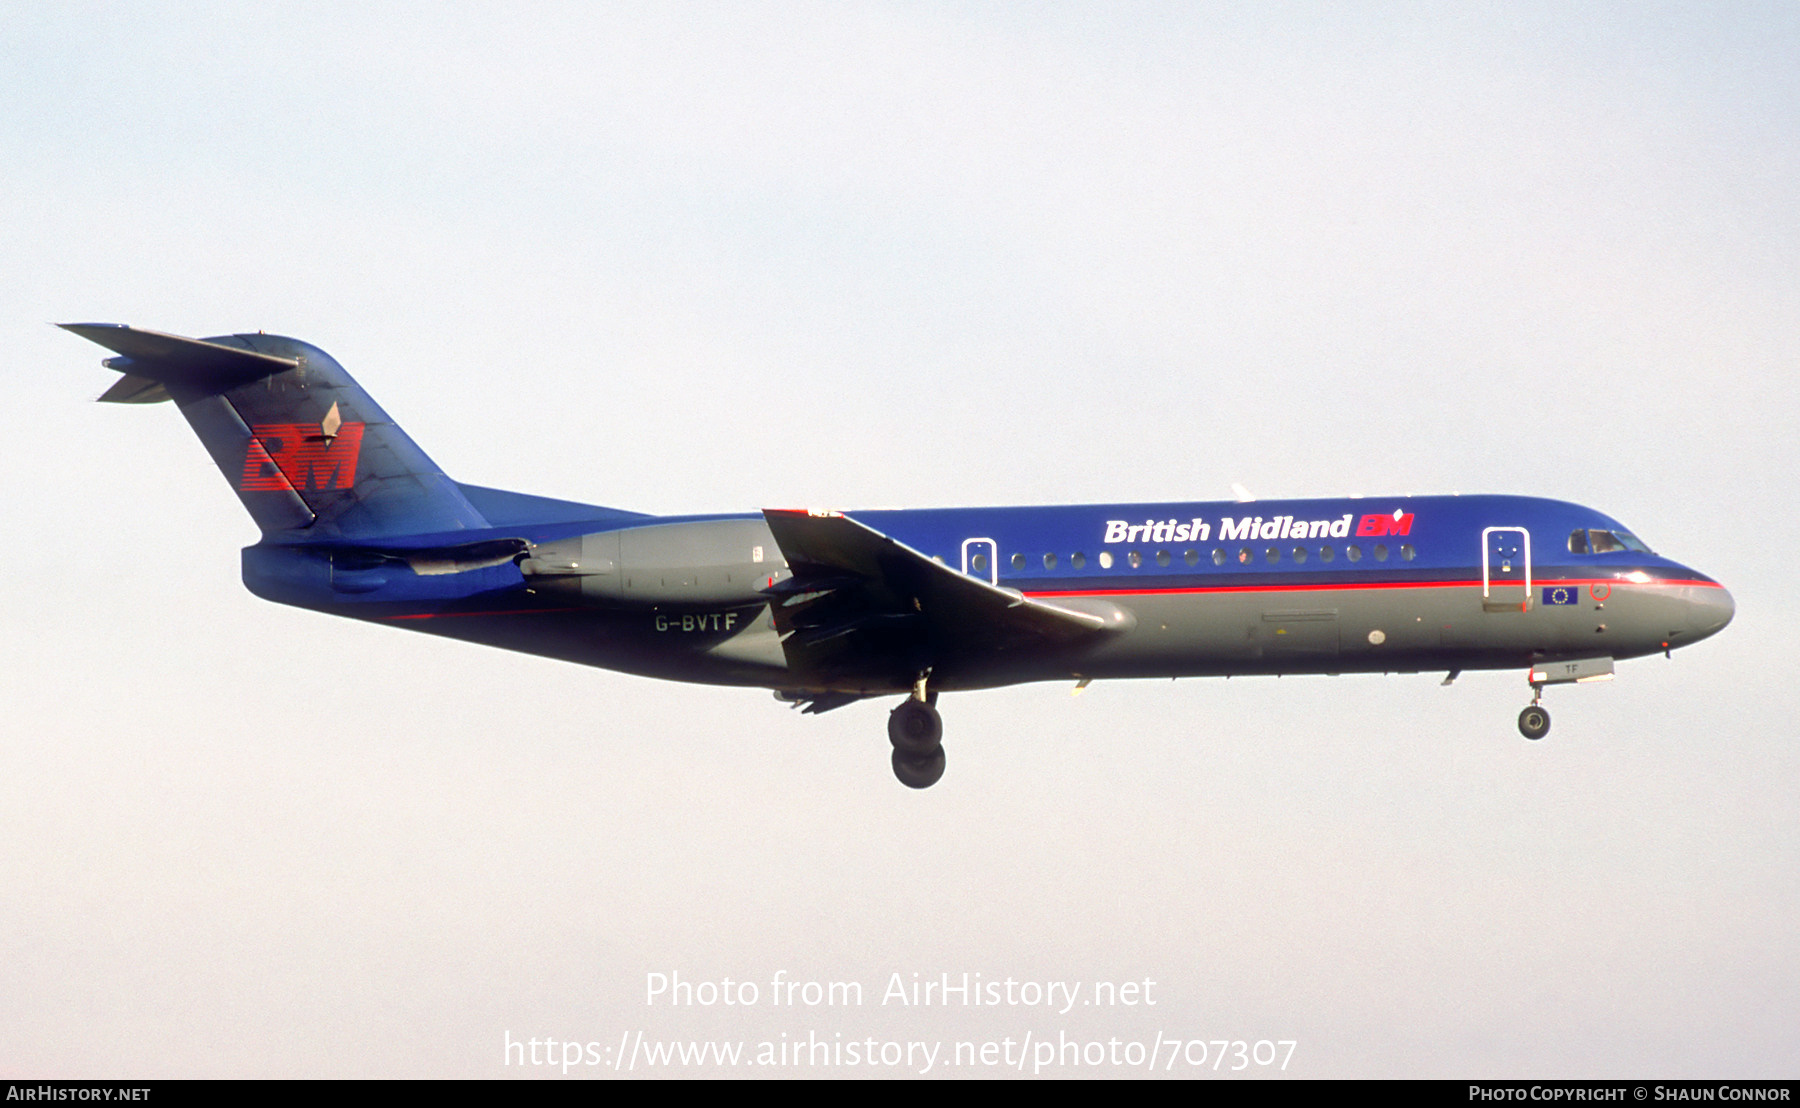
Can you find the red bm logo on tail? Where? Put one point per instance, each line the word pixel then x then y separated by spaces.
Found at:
pixel 296 454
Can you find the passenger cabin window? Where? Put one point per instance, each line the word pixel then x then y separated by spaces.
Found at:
pixel 1135 559
pixel 1353 552
pixel 978 563
pixel 1162 557
pixel 1018 561
pixel 1192 557
pixel 1218 556
pixel 1326 554
pixel 1078 560
pixel 1106 559
pixel 1381 552
pixel 1049 561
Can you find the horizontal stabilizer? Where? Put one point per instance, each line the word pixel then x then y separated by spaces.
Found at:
pixel 162 358
pixel 135 390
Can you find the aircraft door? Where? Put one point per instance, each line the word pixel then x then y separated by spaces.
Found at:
pixel 981 558
pixel 1505 569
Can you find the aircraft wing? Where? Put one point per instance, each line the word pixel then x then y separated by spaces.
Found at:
pixel 861 602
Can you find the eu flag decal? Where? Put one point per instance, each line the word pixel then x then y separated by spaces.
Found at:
pixel 1562 594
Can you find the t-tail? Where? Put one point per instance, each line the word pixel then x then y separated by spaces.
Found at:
pixel 305 448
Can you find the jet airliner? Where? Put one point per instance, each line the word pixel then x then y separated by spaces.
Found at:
pixel 827 608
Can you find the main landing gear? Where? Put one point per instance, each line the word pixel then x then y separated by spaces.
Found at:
pixel 917 732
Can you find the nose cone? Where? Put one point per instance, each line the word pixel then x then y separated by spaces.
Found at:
pixel 1708 611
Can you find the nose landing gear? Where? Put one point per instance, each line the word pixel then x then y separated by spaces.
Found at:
pixel 1534 721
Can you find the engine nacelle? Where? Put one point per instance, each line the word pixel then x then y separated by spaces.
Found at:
pixel 706 562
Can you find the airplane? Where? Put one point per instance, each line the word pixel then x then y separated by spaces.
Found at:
pixel 827 608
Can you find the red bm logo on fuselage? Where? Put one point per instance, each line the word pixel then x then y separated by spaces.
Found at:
pixel 1376 526
pixel 297 455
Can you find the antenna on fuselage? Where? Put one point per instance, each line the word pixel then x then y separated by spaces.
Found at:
pixel 1244 495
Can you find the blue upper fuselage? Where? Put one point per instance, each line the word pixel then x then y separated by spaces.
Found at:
pixel 1146 548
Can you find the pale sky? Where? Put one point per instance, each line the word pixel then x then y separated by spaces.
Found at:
pixel 722 257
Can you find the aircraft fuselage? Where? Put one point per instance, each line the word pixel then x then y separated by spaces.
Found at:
pixel 1364 585
pixel 826 607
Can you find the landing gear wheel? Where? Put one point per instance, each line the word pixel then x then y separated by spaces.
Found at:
pixel 1534 722
pixel 919 771
pixel 916 729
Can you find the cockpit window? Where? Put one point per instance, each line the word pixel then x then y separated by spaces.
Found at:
pixel 1578 541
pixel 1609 542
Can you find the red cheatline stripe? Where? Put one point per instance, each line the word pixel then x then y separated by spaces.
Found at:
pixel 513 612
pixel 1327 587
pixel 1344 586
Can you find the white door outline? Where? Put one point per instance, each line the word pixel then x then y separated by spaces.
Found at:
pixel 1487 571
pixel 993 556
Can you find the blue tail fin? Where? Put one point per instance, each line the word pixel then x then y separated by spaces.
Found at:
pixel 306 449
